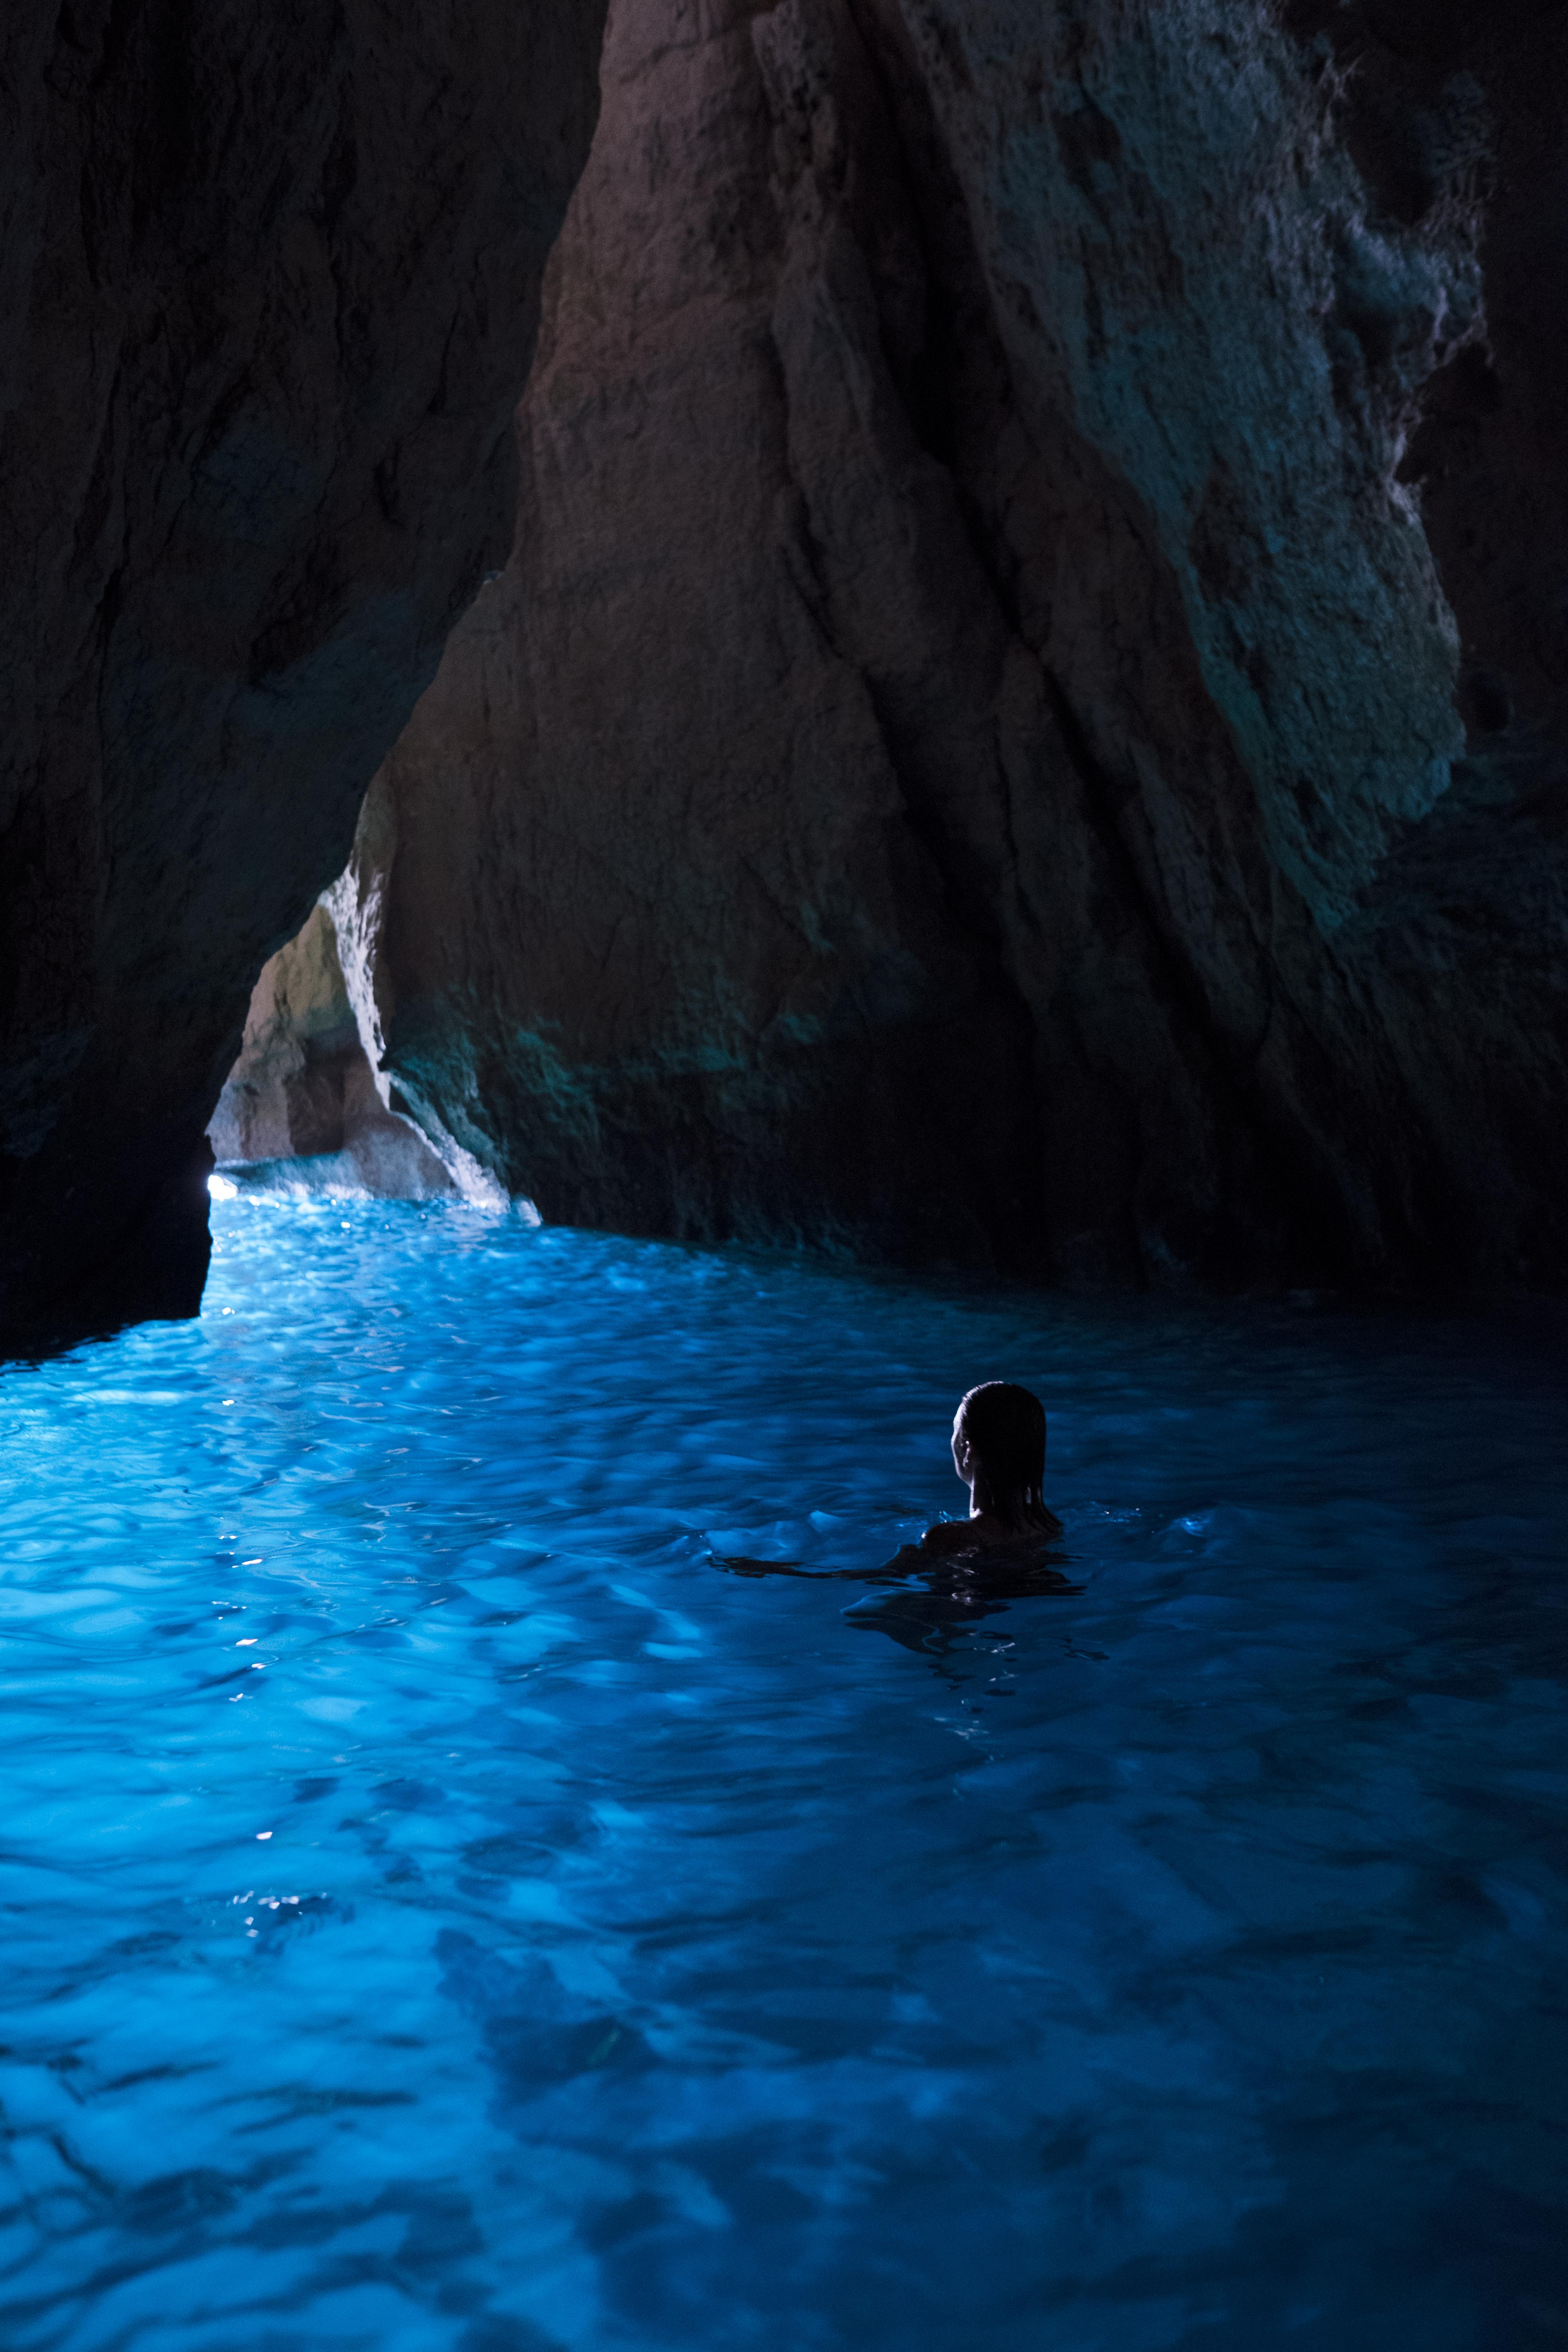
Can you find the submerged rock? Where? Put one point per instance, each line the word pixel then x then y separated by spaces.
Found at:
pixel 270 285
pixel 1024 722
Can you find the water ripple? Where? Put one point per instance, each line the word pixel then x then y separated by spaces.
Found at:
pixel 472 1886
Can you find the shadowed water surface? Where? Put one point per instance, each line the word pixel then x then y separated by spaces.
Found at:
pixel 448 1910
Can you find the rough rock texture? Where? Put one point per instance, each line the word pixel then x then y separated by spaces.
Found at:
pixel 303 1088
pixel 269 278
pixel 355 904
pixel 1027 719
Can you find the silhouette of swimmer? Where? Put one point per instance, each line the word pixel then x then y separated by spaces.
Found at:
pixel 999 1452
pixel 967 1568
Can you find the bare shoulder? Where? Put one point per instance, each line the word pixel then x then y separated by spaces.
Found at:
pixel 986 1534
pixel 950 1535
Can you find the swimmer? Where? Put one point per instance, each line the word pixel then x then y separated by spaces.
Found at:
pixel 999 1452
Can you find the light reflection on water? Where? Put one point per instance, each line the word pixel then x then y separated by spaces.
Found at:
pixel 446 1909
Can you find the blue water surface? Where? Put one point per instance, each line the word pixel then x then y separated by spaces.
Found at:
pixel 446 1909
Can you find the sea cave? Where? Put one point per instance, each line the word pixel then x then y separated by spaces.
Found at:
pixel 783 909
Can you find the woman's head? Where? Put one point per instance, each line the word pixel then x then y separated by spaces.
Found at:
pixel 999 1451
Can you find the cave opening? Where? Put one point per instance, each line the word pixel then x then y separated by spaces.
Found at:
pixel 304 1108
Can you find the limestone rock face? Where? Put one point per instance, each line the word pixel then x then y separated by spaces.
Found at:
pixel 1026 720
pixel 270 285
pixel 303 1088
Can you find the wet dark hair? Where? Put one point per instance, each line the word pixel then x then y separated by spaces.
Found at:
pixel 1005 1426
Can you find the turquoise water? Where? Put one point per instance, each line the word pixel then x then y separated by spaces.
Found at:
pixel 446 1909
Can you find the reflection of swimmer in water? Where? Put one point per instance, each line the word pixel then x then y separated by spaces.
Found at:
pixel 999 1452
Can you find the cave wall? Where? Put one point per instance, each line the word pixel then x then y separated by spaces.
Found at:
pixel 271 280
pixel 1024 722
